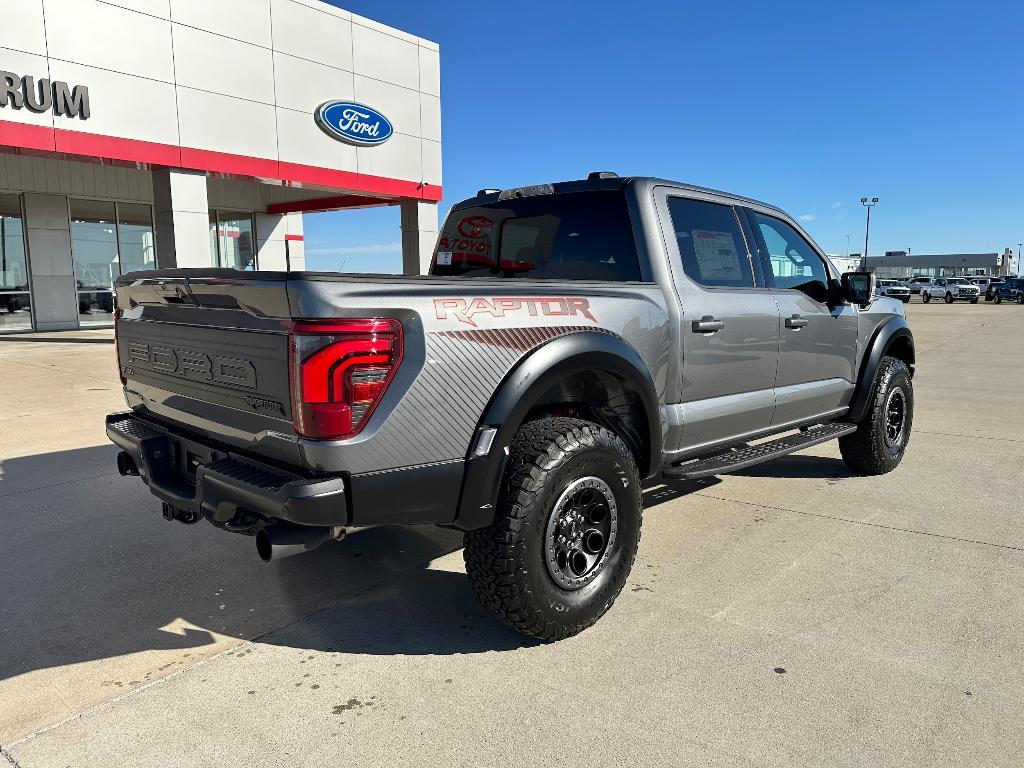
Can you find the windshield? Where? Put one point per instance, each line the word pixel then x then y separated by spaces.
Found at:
pixel 957 281
pixel 569 236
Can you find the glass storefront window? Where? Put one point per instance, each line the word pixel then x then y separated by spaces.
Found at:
pixel 107 240
pixel 15 299
pixel 94 251
pixel 232 240
pixel 135 232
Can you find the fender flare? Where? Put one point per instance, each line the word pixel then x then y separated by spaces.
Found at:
pixel 893 331
pixel 523 387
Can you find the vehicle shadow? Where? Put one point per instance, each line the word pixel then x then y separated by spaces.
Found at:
pixel 92 571
pixel 808 467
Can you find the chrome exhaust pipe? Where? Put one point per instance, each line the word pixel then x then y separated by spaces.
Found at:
pixel 286 539
pixel 126 465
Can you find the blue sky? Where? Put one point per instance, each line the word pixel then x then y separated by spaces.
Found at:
pixel 807 105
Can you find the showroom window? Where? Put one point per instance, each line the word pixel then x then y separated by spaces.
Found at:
pixel 232 241
pixel 107 239
pixel 15 299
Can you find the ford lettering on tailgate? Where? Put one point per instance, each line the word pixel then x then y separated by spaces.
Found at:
pixel 190 364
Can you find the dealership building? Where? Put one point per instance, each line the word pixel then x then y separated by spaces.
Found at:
pixel 137 134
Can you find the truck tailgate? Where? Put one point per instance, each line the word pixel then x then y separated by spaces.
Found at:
pixel 211 354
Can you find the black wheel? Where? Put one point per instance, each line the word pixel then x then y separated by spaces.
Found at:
pixel 974 301
pixel 905 299
pixel 949 298
pixel 926 297
pixel 881 439
pixel 565 532
pixel 1020 298
pixel 998 298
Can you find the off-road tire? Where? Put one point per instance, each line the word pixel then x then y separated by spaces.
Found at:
pixel 998 298
pixel 506 561
pixel 868 451
pixel 926 297
pixel 949 298
pixel 1020 298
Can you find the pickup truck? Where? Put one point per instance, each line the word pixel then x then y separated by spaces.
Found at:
pixel 950 289
pixel 572 342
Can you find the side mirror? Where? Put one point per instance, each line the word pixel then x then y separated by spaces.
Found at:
pixel 858 287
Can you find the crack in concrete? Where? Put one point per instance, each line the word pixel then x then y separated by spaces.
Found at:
pixel 838 519
pixel 55 485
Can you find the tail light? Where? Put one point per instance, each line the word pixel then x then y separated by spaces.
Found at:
pixel 117 347
pixel 340 371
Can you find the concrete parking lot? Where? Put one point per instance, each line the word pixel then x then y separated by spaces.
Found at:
pixel 789 615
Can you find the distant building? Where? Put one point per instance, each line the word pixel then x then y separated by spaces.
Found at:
pixel 849 263
pixel 900 265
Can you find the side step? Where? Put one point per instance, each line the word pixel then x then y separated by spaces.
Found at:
pixel 749 455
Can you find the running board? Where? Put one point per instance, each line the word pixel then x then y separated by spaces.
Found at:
pixel 749 455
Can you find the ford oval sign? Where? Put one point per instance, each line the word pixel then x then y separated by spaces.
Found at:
pixel 353 123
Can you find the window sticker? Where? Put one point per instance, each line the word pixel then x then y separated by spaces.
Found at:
pixel 444 258
pixel 717 256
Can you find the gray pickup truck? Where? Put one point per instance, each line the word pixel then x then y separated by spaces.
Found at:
pixel 572 342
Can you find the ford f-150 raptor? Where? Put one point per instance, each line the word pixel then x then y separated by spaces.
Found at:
pixel 571 342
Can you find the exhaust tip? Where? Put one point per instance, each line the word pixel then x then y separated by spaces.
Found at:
pixel 287 540
pixel 264 548
pixel 126 465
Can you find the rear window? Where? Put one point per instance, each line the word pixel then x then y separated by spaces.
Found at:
pixel 576 236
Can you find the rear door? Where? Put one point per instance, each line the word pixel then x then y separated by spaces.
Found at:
pixel 730 333
pixel 818 336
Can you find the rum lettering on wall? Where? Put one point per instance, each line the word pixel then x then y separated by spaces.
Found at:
pixel 43 95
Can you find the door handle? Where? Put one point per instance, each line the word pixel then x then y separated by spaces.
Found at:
pixel 796 321
pixel 708 324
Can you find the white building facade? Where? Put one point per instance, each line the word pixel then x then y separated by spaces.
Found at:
pixel 144 134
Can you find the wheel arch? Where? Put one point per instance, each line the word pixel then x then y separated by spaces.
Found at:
pixel 891 339
pixel 561 367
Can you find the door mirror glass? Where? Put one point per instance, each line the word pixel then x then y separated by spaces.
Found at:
pixel 858 287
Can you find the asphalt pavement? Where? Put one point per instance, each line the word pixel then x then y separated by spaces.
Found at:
pixel 792 614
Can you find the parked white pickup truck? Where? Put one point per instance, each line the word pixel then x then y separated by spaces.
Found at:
pixel 950 289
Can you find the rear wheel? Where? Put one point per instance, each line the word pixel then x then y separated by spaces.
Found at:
pixel 565 533
pixel 881 438
pixel 998 298
pixel 926 297
pixel 974 301
pixel 1020 298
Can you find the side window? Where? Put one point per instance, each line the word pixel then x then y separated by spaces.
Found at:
pixel 711 245
pixel 791 261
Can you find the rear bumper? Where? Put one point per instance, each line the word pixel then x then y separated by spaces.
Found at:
pixel 192 476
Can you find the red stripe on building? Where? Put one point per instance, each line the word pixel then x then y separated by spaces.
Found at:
pixel 61 141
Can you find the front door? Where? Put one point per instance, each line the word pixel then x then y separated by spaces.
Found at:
pixel 818 336
pixel 730 325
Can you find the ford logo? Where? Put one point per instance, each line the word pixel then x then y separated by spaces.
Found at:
pixel 353 123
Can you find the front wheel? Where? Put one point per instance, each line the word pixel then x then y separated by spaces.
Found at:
pixel 565 533
pixel 998 298
pixel 926 297
pixel 881 438
pixel 905 299
pixel 974 301
pixel 949 298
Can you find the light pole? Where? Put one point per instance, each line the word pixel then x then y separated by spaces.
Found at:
pixel 867 229
pixel 1018 258
pixel 847 246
